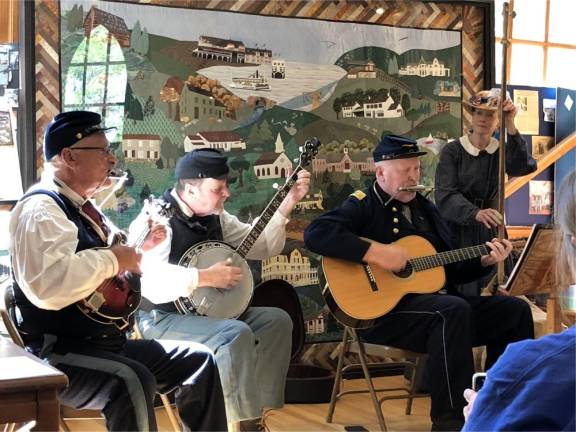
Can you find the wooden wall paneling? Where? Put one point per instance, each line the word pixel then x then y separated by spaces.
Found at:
pixel 9 16
pixel 47 70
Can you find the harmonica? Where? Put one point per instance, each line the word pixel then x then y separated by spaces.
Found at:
pixel 415 188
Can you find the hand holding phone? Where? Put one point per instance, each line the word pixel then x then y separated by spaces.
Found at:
pixel 478 381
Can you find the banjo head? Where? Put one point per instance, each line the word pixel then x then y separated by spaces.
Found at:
pixel 218 302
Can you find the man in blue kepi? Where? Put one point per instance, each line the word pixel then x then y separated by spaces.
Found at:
pixel 60 257
pixel 445 325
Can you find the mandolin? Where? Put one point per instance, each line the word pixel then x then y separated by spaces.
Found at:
pixel 117 298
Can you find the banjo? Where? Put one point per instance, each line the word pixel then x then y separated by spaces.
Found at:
pixel 231 303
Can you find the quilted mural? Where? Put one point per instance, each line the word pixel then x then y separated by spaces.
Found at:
pixel 257 87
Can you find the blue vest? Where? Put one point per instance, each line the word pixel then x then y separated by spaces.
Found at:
pixel 69 325
pixel 188 231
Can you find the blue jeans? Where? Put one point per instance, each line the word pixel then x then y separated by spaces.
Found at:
pixel 252 353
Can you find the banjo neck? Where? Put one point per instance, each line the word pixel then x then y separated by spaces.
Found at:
pixel 250 238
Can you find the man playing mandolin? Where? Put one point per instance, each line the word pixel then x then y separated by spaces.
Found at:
pixel 445 325
pixel 252 352
pixel 65 276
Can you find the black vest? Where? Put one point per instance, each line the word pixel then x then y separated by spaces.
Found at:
pixel 69 324
pixel 188 231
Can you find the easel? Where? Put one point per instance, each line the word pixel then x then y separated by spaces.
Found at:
pixel 535 273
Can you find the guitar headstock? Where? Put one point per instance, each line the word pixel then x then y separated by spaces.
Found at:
pixel 309 151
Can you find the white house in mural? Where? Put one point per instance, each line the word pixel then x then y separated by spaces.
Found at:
pixel 224 140
pixel 196 104
pixel 374 109
pixel 344 162
pixel 230 51
pixel 447 88
pixel 141 147
pixel 294 268
pixel 423 69
pixel 386 109
pixel 367 70
pixel 317 324
pixel 272 165
pixel 310 202
pixel 278 68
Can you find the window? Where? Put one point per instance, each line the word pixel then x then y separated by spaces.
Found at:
pixel 542 49
pixel 96 79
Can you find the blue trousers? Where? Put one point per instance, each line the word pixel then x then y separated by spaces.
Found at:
pixel 123 384
pixel 252 353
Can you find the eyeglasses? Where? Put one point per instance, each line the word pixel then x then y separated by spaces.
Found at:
pixel 107 151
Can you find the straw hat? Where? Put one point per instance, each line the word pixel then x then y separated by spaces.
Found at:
pixel 485 100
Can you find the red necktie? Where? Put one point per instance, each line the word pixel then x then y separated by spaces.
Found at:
pixel 90 211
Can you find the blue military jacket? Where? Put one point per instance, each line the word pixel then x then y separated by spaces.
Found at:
pixel 338 232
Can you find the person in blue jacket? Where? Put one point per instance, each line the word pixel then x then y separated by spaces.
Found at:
pixel 446 326
pixel 532 387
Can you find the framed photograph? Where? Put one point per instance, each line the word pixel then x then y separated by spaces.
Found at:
pixel 541 145
pixel 540 197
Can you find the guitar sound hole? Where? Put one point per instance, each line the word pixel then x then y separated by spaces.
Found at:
pixel 406 272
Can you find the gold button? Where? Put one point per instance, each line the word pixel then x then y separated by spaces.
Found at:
pixel 395 230
pixel 394 209
pixel 395 220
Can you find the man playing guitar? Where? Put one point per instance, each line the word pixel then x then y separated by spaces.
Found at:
pixel 252 352
pixel 61 258
pixel 444 326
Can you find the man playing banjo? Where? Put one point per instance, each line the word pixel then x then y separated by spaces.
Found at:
pixel 252 352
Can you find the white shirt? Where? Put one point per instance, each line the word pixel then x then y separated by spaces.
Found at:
pixel 43 244
pixel 163 282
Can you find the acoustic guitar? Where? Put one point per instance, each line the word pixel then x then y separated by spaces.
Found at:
pixel 357 294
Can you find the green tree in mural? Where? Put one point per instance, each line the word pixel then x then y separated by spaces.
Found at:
pixel 170 152
pixel 135 36
pixel 359 96
pixel 337 106
pixel 371 95
pixel 75 18
pixel 382 94
pixel 150 107
pixel 254 135
pixel 129 179
pixel 406 102
pixel 145 194
pixel 393 66
pixel 265 132
pixel 240 164
pixel 132 106
pixel 395 94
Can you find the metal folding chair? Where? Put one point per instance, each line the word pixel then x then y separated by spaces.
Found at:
pixel 412 362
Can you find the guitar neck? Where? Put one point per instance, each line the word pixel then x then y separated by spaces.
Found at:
pixel 448 257
pixel 250 238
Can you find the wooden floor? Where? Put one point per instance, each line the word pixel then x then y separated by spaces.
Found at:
pixel 351 410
